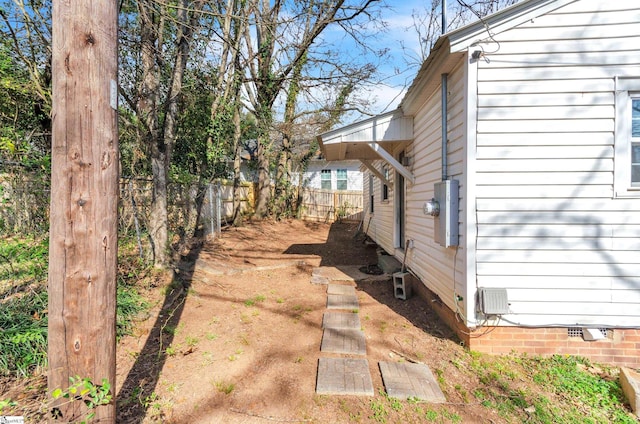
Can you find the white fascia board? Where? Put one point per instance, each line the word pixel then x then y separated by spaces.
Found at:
pixel 390 126
pixel 503 20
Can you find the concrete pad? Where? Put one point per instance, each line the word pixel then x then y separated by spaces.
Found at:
pixel 340 301
pixel 341 289
pixel 630 382
pixel 343 340
pixel 406 380
pixel 344 376
pixel 389 264
pixel 347 274
pixel 341 320
pixel 332 274
pixel 317 279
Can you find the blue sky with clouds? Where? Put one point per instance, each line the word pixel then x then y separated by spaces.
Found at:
pixel 402 63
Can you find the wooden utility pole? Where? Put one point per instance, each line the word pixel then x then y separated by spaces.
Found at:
pixel 84 195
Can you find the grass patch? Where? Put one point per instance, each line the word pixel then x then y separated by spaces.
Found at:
pixel 256 299
pixel 225 387
pixel 24 304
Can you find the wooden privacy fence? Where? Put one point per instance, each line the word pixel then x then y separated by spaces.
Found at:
pixel 331 205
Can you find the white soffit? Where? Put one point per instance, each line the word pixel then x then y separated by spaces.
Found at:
pixel 352 141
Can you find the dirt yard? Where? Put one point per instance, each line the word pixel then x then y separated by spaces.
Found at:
pixel 236 337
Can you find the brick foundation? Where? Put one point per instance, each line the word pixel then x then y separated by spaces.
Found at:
pixel 621 348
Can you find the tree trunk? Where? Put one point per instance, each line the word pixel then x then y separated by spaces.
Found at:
pixel 237 160
pixel 264 179
pixel 159 217
pixel 84 199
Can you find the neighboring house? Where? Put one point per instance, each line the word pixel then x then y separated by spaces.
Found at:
pixel 336 175
pixel 539 153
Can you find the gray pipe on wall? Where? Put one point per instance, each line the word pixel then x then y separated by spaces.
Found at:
pixel 444 114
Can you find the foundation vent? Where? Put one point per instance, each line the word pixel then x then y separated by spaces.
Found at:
pixel 578 332
pixel 493 301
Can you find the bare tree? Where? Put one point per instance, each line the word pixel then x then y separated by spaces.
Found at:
pixel 156 102
pixel 427 22
pixel 278 42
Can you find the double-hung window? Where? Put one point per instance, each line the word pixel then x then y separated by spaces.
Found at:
pixel 635 141
pixel 627 138
pixel 385 188
pixel 325 179
pixel 341 179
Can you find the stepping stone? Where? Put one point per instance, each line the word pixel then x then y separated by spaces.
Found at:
pixel 318 279
pixel 341 289
pixel 341 301
pixel 334 274
pixel 406 380
pixel 341 320
pixel 344 376
pixel 344 341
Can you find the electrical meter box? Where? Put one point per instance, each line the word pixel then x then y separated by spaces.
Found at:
pixel 446 222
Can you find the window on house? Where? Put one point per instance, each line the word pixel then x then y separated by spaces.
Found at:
pixel 370 193
pixel 341 179
pixel 635 141
pixel 385 188
pixel 325 179
pixel 627 138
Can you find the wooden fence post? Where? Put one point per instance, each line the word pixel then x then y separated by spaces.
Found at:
pixel 84 193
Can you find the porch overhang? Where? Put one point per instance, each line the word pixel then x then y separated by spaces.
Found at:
pixel 376 138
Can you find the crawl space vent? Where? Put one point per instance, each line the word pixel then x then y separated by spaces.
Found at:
pixel 577 332
pixel 493 301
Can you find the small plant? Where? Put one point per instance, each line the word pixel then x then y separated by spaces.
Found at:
pixel 191 341
pixel 83 390
pixel 254 300
pixel 211 336
pixel 225 387
pixel 431 415
pixel 6 403
pixel 395 404
pixel 380 413
pixel 170 351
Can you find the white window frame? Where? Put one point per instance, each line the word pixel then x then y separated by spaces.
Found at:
pixel 626 90
pixel 384 189
pixel 345 179
pixel 324 172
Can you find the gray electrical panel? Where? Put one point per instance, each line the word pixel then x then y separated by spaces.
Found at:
pixel 446 222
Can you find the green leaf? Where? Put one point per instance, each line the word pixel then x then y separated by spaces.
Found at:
pixel 56 393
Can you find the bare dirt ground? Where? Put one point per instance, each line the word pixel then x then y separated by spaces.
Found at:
pixel 236 337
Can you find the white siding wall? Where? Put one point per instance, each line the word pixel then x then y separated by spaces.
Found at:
pixel 549 229
pixel 312 176
pixel 432 263
pixel 379 225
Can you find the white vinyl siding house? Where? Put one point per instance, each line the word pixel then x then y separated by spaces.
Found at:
pixel 543 137
pixel 340 175
pixel 549 222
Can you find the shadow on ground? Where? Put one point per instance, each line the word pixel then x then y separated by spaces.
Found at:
pixel 344 246
pixel 135 395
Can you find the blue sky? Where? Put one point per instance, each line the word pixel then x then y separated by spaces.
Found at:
pixel 398 71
